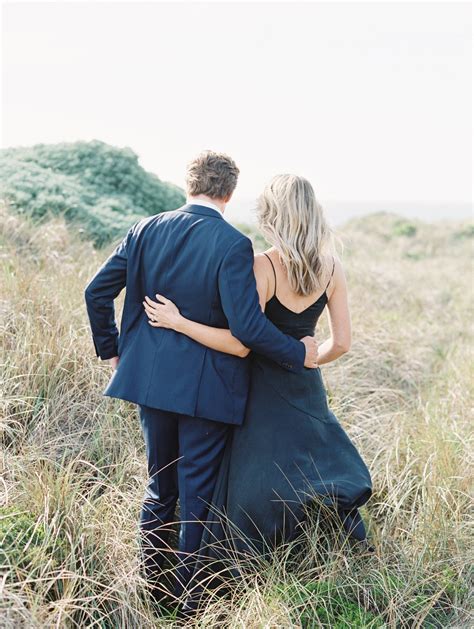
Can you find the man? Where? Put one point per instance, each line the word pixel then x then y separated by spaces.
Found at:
pixel 188 395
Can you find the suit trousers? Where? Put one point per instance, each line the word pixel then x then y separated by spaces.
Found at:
pixel 183 455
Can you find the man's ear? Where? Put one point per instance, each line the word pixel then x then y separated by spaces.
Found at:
pixel 228 198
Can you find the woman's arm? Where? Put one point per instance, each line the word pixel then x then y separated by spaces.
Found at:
pixel 339 319
pixel 167 315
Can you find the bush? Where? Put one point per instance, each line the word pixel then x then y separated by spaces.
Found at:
pixel 404 228
pixel 22 537
pixel 100 188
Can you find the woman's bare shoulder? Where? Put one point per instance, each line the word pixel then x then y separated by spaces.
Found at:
pixel 262 266
pixel 336 274
pixel 263 275
pixel 260 260
pixel 332 261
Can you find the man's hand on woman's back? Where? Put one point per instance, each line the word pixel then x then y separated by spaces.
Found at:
pixel 113 362
pixel 311 346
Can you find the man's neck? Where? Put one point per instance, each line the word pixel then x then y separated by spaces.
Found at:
pixel 217 203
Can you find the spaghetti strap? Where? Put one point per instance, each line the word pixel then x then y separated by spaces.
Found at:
pixel 274 272
pixel 332 273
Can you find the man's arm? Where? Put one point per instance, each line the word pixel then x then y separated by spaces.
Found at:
pixel 100 293
pixel 240 301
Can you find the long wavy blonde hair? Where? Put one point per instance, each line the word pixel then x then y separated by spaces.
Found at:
pixel 292 220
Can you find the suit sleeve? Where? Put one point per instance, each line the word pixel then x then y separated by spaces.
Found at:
pixel 240 302
pixel 100 293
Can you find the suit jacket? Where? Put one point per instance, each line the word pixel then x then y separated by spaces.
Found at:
pixel 205 266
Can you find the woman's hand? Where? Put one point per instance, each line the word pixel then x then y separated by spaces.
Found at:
pixel 163 315
pixel 113 362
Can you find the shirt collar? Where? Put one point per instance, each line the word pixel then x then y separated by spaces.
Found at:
pixel 191 201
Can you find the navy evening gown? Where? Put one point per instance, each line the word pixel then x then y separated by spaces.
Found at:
pixel 290 449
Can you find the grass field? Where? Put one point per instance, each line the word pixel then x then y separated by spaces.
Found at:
pixel 73 465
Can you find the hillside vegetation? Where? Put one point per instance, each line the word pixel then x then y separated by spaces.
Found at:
pixel 74 462
pixel 100 188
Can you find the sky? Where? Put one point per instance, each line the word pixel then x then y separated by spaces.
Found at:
pixel 370 101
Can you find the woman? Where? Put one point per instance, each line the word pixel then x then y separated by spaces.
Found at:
pixel 291 447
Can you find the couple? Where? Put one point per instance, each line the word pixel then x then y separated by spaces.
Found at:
pixel 251 435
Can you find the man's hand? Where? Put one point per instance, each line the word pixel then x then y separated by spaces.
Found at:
pixel 311 345
pixel 113 362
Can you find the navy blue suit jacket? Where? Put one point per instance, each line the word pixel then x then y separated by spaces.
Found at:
pixel 205 266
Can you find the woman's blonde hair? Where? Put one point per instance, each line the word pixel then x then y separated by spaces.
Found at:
pixel 293 221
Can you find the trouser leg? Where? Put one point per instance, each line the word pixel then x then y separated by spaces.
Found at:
pixel 201 447
pixel 160 431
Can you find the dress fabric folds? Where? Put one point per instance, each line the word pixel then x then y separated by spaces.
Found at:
pixel 290 452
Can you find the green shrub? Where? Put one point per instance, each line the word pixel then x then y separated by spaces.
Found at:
pixel 22 537
pixel 404 228
pixel 324 603
pixel 100 188
pixel 466 231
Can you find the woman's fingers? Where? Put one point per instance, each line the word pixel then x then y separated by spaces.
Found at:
pixel 153 307
pixel 153 316
pixel 155 324
pixel 160 324
pixel 160 312
pixel 149 311
pixel 150 302
pixel 157 311
pixel 163 299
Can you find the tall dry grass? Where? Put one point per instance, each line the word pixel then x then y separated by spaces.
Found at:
pixel 73 466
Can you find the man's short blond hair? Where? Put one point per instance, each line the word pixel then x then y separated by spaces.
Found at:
pixel 212 174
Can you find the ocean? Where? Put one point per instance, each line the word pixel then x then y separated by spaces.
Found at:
pixel 337 212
